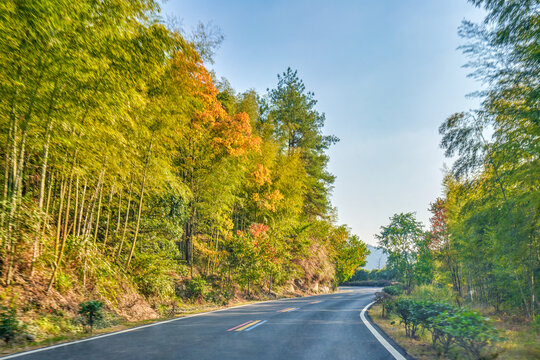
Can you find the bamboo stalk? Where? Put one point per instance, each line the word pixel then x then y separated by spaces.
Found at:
pixel 82 207
pixel 126 219
pixel 119 212
pixel 65 233
pixel 141 196
pixel 98 213
pixel 59 220
pixel 108 216
pixel 76 210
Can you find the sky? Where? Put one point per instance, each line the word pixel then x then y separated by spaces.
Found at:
pixel 386 73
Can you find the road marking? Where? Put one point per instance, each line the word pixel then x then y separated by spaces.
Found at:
pixel 12 356
pixel 315 302
pixel 29 352
pixel 236 327
pixel 287 310
pixel 248 325
pixel 379 337
pixel 254 326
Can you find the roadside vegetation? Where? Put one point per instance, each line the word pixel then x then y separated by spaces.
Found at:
pixel 436 329
pixel 136 185
pixel 469 286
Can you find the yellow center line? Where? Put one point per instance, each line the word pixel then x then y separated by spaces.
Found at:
pixel 288 309
pixel 248 325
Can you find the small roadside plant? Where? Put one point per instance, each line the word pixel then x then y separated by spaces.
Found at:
pixel 9 325
pixel 386 300
pixel 91 312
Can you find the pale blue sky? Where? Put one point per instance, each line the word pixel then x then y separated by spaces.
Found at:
pixel 385 72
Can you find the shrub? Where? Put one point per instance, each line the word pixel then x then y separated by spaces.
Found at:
pixel 219 297
pixel 197 288
pixel 439 336
pixel 465 328
pixel 9 325
pixel 152 274
pixel 410 314
pixel 430 312
pixel 469 330
pixel 91 312
pixel 394 290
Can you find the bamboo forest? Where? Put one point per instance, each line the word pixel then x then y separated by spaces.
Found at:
pixel 127 168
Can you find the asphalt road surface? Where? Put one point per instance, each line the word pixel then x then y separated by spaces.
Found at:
pixel 316 327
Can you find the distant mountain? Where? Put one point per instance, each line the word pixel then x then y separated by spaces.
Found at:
pixel 376 259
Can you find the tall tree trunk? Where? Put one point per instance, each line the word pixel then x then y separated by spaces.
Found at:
pixel 106 231
pixel 57 239
pixel 126 219
pixel 59 219
pixel 79 222
pixel 141 196
pixel 76 210
pixel 44 223
pixel 98 214
pixel 88 221
pixel 68 207
pixel 109 211
pixel 12 137
pixel 12 200
pixel 65 234
pixel 119 212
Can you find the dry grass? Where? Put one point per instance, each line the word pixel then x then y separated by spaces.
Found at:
pixel 520 342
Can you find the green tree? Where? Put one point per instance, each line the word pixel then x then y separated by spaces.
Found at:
pixel 298 128
pixel 91 312
pixel 493 212
pixel 404 241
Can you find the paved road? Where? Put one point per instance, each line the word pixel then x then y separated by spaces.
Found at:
pixel 316 327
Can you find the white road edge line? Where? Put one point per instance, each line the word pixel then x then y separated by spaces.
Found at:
pixel 378 336
pixel 24 353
